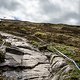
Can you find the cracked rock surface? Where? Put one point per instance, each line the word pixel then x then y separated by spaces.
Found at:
pixel 24 62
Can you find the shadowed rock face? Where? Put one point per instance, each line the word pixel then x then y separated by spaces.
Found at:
pixel 23 62
pixel 14 51
pixel 2 56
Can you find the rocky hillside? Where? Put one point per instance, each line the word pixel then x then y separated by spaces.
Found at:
pixel 39 51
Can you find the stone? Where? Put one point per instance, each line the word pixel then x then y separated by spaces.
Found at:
pixel 58 63
pixel 41 71
pixel 24 62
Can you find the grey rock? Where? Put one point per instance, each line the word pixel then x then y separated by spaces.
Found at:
pixel 27 63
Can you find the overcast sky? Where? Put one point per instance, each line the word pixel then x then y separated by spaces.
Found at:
pixel 51 11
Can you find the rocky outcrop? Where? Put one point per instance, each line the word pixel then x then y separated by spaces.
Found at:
pixel 58 67
pixel 24 62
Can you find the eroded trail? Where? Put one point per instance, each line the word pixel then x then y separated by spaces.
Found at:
pixel 24 62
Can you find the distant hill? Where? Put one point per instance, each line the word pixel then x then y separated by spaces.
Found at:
pixel 59 33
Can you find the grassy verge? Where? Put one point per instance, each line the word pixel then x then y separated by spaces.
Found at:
pixel 70 51
pixel 73 75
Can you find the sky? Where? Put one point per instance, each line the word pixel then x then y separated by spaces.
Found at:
pixel 47 11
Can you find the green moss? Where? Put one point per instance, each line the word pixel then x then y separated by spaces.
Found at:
pixel 35 43
pixel 50 47
pixel 40 34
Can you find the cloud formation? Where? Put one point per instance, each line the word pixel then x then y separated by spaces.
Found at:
pixel 8 4
pixel 51 11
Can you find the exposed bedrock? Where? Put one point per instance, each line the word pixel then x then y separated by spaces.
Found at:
pixel 24 62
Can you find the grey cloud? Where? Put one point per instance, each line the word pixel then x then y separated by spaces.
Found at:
pixel 70 15
pixel 48 8
pixel 73 16
pixel 66 17
pixel 52 11
pixel 9 4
